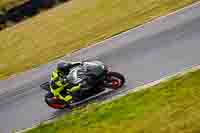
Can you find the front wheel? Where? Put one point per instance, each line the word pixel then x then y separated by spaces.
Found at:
pixel 114 80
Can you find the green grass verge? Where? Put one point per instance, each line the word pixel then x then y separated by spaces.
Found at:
pixel 74 25
pixel 169 107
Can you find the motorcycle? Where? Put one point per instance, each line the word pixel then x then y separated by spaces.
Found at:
pixel 108 81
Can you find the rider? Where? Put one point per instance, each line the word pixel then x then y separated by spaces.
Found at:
pixel 59 86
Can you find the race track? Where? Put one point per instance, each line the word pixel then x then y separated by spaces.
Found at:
pixel 147 53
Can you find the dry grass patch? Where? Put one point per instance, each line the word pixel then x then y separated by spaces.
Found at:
pixel 74 25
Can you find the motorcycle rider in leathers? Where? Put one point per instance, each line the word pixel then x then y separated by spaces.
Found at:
pixel 67 91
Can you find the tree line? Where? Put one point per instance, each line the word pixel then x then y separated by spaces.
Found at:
pixel 27 9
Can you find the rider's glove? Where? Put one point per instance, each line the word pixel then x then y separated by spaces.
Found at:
pixel 84 85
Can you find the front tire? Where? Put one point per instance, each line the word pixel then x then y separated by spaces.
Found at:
pixel 114 80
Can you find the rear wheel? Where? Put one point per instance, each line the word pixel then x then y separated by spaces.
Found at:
pixel 114 80
pixel 54 102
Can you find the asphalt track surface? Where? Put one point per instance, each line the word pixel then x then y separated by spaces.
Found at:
pixel 147 53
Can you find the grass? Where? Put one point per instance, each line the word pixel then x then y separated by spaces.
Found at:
pixel 72 26
pixel 169 107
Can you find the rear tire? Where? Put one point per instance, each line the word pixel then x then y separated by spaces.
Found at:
pixel 54 102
